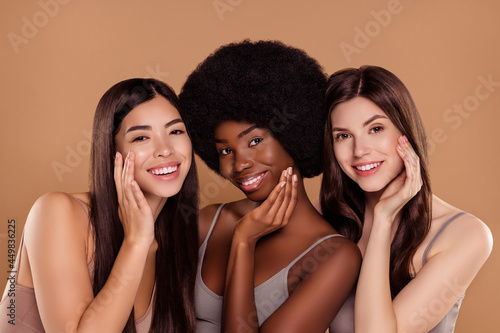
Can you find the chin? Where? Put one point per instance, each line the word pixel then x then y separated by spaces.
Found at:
pixel 256 196
pixel 372 188
pixel 165 193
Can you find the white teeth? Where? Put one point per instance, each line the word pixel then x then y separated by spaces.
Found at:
pixel 252 180
pixel 164 171
pixel 368 166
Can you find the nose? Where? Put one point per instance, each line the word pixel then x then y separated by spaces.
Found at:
pixel 361 147
pixel 242 161
pixel 163 148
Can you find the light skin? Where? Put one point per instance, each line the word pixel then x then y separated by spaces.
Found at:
pixel 256 237
pixel 59 272
pixel 364 135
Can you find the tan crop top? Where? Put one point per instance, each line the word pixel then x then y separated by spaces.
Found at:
pixel 19 311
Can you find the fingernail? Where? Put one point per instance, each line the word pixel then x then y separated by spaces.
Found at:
pixel 405 139
pixel 117 155
pixel 289 171
pixel 295 179
pixel 282 184
pixel 400 148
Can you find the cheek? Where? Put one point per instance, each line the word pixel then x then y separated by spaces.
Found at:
pixel 399 164
pixel 341 155
pixel 225 166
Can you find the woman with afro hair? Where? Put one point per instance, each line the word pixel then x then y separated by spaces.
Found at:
pixel 268 262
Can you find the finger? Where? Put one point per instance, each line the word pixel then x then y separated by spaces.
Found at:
pixel 411 161
pixel 290 192
pixel 125 168
pixel 139 196
pixel 275 212
pixel 293 200
pixel 118 175
pixel 283 175
pixel 271 198
pixel 129 177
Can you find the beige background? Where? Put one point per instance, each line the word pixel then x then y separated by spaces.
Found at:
pixel 59 57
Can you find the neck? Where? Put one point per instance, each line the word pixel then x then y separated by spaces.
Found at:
pixel 303 207
pixel 156 204
pixel 371 199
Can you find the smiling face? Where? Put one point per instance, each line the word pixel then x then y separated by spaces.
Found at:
pixel 155 132
pixel 364 143
pixel 251 158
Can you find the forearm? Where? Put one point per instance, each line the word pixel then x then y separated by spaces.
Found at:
pixel 111 308
pixel 239 303
pixel 374 310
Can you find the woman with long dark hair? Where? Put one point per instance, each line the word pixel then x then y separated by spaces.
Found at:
pixel 121 257
pixel 419 253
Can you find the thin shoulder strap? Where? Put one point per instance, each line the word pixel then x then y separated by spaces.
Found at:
pixel 82 204
pixel 310 248
pixel 216 217
pixel 19 254
pixel 447 223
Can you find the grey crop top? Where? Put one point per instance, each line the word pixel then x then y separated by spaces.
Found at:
pixel 344 321
pixel 269 295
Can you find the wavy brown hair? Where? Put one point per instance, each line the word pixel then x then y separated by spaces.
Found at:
pixel 175 227
pixel 342 200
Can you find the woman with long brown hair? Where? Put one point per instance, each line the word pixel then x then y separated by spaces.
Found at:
pixel 419 253
pixel 121 257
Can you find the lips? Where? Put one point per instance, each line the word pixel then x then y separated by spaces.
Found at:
pixel 252 182
pixel 367 169
pixel 166 171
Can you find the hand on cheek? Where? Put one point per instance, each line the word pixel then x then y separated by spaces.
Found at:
pixel 405 186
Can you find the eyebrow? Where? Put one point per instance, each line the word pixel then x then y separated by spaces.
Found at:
pixel 373 118
pixel 242 134
pixel 148 127
pixel 366 123
pixel 245 132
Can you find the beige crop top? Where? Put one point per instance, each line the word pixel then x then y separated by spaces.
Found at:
pixel 19 311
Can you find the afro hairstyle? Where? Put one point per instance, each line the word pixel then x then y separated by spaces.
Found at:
pixel 266 83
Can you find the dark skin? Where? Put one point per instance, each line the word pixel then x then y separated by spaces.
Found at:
pixel 256 237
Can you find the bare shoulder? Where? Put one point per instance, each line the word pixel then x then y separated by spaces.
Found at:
pixel 344 248
pixel 472 230
pixel 205 218
pixel 336 252
pixel 464 229
pixel 57 213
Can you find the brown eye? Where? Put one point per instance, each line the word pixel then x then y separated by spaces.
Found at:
pixel 376 129
pixel 139 138
pixel 224 151
pixel 255 142
pixel 341 137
